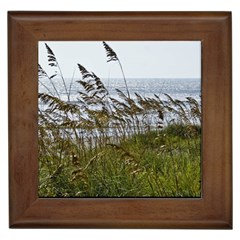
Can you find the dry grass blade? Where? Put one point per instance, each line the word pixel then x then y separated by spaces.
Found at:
pixel 51 57
pixel 112 56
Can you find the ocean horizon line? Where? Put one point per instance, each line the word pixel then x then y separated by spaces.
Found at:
pixel 163 78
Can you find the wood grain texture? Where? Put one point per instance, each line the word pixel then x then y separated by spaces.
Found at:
pixel 213 210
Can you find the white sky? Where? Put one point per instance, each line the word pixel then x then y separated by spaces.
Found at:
pixel 140 59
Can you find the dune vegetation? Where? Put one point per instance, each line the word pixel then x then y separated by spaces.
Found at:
pixel 101 146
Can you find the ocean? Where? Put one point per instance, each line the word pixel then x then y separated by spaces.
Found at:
pixel 177 88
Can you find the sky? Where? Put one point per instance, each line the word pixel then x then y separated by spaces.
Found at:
pixel 139 59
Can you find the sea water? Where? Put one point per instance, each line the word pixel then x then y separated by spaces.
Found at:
pixel 146 87
pixel 177 88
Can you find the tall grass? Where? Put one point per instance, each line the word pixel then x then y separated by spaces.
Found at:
pixel 130 146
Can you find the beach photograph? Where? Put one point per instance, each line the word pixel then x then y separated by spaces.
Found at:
pixel 119 119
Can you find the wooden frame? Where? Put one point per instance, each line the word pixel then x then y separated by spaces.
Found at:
pixel 213 210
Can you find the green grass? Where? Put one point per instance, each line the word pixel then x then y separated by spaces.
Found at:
pixel 160 163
